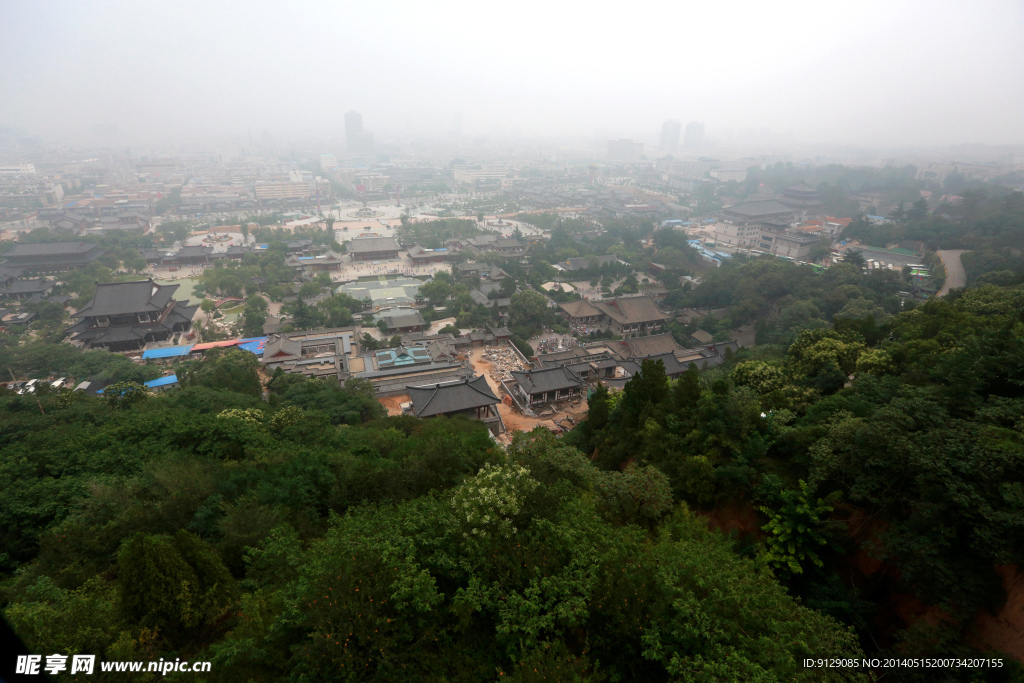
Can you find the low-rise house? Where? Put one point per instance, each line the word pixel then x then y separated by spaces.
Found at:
pixel 549 385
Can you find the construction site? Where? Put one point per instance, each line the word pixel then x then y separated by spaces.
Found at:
pixel 496 364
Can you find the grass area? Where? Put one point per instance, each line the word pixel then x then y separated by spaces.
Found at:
pixel 184 289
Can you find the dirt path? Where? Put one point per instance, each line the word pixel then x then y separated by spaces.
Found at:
pixel 394 403
pixel 956 277
pixel 514 420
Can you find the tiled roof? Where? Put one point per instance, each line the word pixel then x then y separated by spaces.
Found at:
pixel 359 245
pixel 581 308
pixel 451 397
pixel 551 379
pixel 655 344
pixel 116 298
pixel 629 310
pixel 756 209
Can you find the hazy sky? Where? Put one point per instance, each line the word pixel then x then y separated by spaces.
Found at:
pixel 864 72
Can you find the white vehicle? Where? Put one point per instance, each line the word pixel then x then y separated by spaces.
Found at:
pixel 58 383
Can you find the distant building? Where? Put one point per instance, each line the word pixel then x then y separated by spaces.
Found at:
pixel 51 257
pixel 803 199
pixel 477 174
pixel 625 150
pixel 304 190
pixel 694 135
pixel 670 132
pixel 20 290
pixel 586 262
pixel 634 315
pixel 17 169
pixel 409 320
pixel 358 141
pixel 328 161
pixel 353 128
pixel 794 245
pixel 727 174
pixel 373 248
pixel 741 225
pixel 421 256
pixel 932 173
pixel 626 316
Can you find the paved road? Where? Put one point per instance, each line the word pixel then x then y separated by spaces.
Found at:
pixel 955 275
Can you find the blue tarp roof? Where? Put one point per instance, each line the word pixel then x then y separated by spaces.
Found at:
pixel 162 381
pixel 253 344
pixel 169 352
pixel 252 347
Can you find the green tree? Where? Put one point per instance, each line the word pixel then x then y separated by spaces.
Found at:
pixel 175 584
pixel 254 316
pixel 528 313
pixel 230 369
pixel 796 529
pixel 919 210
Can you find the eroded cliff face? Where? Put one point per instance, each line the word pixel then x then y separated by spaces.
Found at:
pixel 1004 631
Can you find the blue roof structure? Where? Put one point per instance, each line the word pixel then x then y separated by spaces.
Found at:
pixel 162 382
pixel 254 345
pixel 169 352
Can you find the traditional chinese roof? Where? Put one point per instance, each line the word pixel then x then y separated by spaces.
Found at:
pixel 451 397
pixel 550 379
pixel 120 298
pixel 630 310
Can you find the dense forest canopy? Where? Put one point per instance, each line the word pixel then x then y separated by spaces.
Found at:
pixel 319 539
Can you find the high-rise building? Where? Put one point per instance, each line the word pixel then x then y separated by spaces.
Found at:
pixel 694 135
pixel 328 161
pixel 353 127
pixel 670 131
pixel 625 150
pixel 358 141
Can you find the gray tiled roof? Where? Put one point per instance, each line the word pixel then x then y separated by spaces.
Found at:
pixel 359 245
pixel 27 287
pixel 116 298
pixel 655 344
pixel 551 379
pixel 756 209
pixel 629 310
pixel 451 397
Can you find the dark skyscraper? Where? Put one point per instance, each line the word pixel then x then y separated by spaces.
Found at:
pixel 670 136
pixel 694 135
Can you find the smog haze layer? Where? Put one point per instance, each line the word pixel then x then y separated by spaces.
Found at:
pixel 863 73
